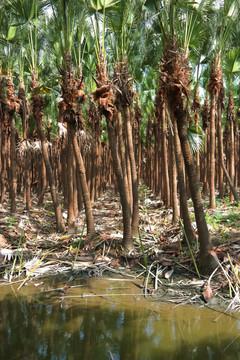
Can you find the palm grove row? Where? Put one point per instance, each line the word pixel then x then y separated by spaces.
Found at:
pixel 103 91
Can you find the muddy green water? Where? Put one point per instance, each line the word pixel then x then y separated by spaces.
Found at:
pixel 36 323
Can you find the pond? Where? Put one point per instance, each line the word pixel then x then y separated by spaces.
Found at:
pixel 77 323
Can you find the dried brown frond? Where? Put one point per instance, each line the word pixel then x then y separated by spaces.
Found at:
pixel 138 113
pixel 231 108
pixel 206 114
pixel 103 95
pixel 21 90
pixel 37 98
pixel 62 130
pixel 215 81
pixel 24 146
pixel 196 106
pixel 94 119
pixel 124 95
pixel 101 92
pixel 23 104
pixel 72 93
pixel 174 73
pixel 10 103
pixel 221 96
pixel 196 101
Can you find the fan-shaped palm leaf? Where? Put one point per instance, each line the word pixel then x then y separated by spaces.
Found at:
pixel 196 137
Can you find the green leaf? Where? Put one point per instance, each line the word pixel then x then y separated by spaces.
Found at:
pixel 42 90
pixel 196 138
pixel 98 5
pixel 11 33
pixel 236 67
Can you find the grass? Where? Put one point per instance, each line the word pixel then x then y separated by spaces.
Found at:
pixel 145 256
pixel 190 250
pixel 218 219
pixel 11 221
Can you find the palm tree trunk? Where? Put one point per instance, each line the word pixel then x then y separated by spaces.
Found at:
pixel 221 157
pixel 71 215
pixel 182 186
pixel 83 181
pixel 24 113
pixel 43 179
pixel 165 153
pixel 231 120
pixel 138 115
pixel 57 208
pixel 207 261
pixel 205 122
pixel 10 107
pixel 122 154
pixel 212 203
pixel 13 165
pixel 214 86
pixel 220 152
pixel 37 102
pixel 174 199
pixel 127 232
pixel 176 70
pixel 196 108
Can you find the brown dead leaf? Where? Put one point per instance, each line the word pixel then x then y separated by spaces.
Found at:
pixel 3 242
pixel 207 293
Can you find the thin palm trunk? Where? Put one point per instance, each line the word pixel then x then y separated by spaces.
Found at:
pixel 13 164
pixel 176 66
pixel 37 102
pixel 196 108
pixel 24 113
pixel 135 214
pixel 83 182
pixel 205 122
pixel 221 158
pixel 212 202
pixel 214 87
pixel 127 232
pixel 71 216
pixel 104 96
pixel 43 182
pixel 220 152
pixel 122 153
pixel 174 199
pixel 73 96
pixel 164 153
pixel 231 120
pixel 206 260
pixel 10 108
pixel 182 186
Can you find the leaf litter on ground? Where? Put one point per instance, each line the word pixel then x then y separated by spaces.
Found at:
pixel 162 246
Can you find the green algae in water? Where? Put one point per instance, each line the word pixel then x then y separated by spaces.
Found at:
pixel 47 325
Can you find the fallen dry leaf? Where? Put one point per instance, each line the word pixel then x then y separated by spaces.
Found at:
pixel 208 293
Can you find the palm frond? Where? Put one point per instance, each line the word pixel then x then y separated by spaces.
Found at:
pixel 196 138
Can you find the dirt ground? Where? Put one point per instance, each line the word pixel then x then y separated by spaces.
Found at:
pixel 30 247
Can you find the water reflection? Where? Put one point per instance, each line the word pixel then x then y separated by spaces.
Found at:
pixel 42 326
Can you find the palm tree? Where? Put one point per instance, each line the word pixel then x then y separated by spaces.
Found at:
pixel 73 94
pixel 175 73
pixel 27 13
pixel 123 97
pixel 104 96
pixel 121 24
pixel 231 68
pixel 8 109
pixel 224 19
